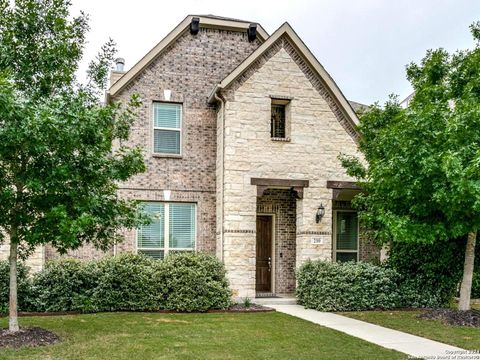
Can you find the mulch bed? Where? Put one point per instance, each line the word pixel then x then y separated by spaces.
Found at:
pixel 33 336
pixel 453 317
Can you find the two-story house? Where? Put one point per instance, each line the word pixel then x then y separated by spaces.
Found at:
pixel 242 131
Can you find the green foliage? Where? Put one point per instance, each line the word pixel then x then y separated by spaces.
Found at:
pixel 435 268
pixel 421 174
pixel 126 282
pixel 476 285
pixel 64 285
pixel 24 287
pixel 193 282
pixel 232 336
pixel 328 286
pixel 421 183
pixel 59 170
pixel 40 45
pixel 183 282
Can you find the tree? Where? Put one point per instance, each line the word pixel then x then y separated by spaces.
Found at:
pixel 59 168
pixel 421 165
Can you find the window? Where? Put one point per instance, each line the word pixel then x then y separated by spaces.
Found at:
pixel 346 236
pixel 279 118
pixel 167 128
pixel 172 229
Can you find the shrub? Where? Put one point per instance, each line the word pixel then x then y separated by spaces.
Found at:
pixel 476 285
pixel 193 282
pixel 65 285
pixel 125 282
pixel 328 286
pixel 433 270
pixel 182 282
pixel 24 287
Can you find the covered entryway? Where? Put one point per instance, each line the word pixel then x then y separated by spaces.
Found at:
pixel 276 238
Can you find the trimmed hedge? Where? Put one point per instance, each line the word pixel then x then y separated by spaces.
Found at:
pixel 193 282
pixel 182 282
pixel 330 286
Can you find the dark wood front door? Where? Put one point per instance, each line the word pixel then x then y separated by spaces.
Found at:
pixel 264 254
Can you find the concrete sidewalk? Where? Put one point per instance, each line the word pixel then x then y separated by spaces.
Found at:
pixel 412 345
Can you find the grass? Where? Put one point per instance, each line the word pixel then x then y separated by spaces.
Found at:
pixel 193 336
pixel 461 336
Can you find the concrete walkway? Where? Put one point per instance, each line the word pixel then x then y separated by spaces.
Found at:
pixel 412 345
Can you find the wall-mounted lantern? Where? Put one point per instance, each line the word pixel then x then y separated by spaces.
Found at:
pixel 320 213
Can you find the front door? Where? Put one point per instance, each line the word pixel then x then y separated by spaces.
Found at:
pixel 264 254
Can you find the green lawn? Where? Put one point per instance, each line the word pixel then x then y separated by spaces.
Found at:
pixel 461 336
pixel 193 336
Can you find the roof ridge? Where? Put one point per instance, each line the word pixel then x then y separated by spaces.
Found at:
pixel 211 16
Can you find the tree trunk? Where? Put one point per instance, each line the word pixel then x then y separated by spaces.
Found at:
pixel 12 306
pixel 466 287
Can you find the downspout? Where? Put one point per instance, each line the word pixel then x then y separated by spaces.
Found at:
pixel 222 213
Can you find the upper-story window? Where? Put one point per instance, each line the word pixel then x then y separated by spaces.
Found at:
pixel 279 119
pixel 167 128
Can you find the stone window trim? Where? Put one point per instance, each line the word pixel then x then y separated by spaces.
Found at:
pixel 334 237
pixel 280 130
pixel 180 129
pixel 166 246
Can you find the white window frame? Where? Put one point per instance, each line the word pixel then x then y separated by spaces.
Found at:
pixel 180 130
pixel 166 230
pixel 335 236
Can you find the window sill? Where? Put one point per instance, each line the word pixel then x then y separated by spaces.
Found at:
pixel 172 156
pixel 280 139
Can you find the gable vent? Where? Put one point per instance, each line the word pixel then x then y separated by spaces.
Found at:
pixel 252 32
pixel 195 26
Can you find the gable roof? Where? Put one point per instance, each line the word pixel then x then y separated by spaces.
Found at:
pixel 206 21
pixel 307 55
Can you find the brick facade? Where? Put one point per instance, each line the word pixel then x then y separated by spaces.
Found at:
pixel 190 67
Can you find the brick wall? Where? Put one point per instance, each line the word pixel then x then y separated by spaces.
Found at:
pixel 190 68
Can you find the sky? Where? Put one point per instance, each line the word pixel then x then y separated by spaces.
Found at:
pixel 364 44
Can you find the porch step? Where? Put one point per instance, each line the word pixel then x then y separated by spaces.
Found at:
pixel 275 301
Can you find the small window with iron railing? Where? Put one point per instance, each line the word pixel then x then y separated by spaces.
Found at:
pixel 278 123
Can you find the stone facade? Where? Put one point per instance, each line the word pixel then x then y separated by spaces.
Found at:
pixel 318 135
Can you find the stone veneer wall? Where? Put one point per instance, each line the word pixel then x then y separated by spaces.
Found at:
pixel 281 203
pixel 35 261
pixel 190 67
pixel 318 135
